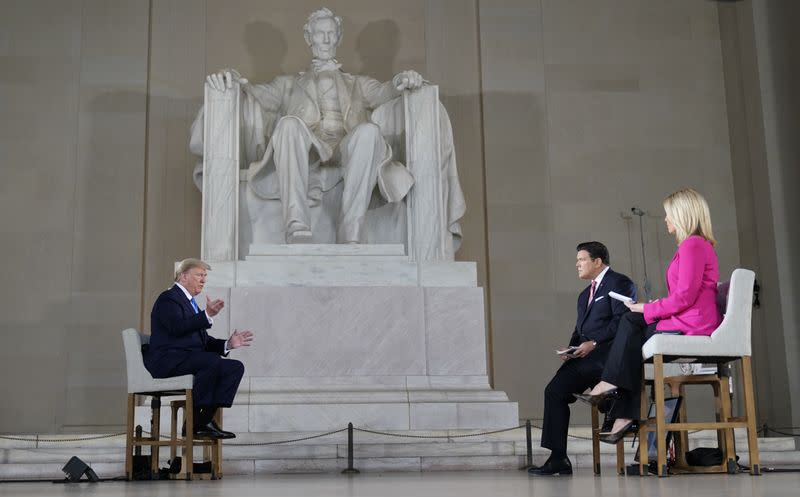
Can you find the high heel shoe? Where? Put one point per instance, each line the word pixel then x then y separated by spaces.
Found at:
pixel 596 399
pixel 613 437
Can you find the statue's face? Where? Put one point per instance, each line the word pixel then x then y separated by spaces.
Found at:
pixel 324 39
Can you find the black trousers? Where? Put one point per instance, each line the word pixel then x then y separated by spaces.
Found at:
pixel 623 366
pixel 216 379
pixel 574 376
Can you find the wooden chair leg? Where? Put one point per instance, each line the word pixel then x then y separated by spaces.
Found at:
pixel 173 446
pixel 595 440
pixel 661 433
pixel 682 436
pixel 155 433
pixel 750 411
pixel 129 437
pixel 188 445
pixel 216 454
pixel 643 411
pixel 718 408
pixel 719 414
pixel 208 456
pixel 726 435
pixel 621 457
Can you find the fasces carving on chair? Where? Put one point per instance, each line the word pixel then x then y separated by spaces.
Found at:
pixel 330 157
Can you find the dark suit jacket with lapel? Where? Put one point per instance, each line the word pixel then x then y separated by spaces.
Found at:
pixel 599 320
pixel 176 331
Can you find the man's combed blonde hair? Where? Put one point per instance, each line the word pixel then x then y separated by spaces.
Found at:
pixel 689 213
pixel 188 264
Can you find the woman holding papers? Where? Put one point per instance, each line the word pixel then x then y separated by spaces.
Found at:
pixel 689 309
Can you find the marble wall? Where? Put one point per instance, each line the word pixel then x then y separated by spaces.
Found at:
pixel 565 115
pixel 73 94
pixel 98 97
pixel 759 47
pixel 591 107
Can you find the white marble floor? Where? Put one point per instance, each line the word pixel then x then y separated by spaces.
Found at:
pixel 451 484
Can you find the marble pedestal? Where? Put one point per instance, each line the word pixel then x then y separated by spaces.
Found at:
pixel 361 334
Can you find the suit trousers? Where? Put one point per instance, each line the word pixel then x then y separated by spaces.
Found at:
pixel 216 379
pixel 574 376
pixel 623 367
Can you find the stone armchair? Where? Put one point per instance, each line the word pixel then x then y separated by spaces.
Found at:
pixel 416 127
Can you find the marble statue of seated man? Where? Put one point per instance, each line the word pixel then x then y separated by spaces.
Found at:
pixel 311 131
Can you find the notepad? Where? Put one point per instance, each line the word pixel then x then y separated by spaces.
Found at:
pixel 567 351
pixel 619 296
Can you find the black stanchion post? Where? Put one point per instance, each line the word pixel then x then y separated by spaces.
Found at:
pixel 350 470
pixel 528 446
pixel 528 442
pixel 137 451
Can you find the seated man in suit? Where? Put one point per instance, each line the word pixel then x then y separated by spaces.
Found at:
pixel 598 316
pixel 180 344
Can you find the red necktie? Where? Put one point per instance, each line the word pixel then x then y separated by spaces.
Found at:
pixel 591 293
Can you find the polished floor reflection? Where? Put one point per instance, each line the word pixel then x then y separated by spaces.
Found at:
pixel 451 484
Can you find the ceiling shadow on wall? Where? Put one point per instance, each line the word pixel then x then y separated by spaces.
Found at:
pixel 267 48
pixel 105 262
pixel 377 45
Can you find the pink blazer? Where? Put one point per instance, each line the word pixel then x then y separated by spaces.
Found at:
pixel 691 306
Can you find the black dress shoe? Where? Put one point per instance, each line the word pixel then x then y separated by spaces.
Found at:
pixel 613 437
pixel 228 434
pixel 208 431
pixel 596 399
pixel 553 466
pixel 204 432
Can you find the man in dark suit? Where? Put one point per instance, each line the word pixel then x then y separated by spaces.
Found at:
pixel 598 316
pixel 180 344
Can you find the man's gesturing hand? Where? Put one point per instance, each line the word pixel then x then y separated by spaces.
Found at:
pixel 240 339
pixel 213 306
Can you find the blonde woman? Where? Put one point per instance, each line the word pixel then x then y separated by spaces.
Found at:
pixel 689 309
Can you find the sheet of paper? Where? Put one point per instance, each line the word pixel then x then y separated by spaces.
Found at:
pixel 619 296
pixel 568 350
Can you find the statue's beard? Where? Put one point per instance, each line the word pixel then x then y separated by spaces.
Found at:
pixel 322 54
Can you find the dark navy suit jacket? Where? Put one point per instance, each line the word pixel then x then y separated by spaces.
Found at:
pixel 599 320
pixel 175 332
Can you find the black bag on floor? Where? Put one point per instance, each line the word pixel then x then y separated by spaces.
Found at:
pixel 704 456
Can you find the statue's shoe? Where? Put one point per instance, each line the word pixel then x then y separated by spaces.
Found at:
pixel 299 236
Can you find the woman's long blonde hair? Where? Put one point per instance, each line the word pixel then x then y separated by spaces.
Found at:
pixel 689 213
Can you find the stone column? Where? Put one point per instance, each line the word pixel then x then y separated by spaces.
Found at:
pixel 221 153
pixel 427 217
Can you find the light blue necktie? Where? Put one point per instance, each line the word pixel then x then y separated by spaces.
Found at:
pixel 194 305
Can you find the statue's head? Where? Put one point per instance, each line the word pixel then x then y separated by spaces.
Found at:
pixel 323 32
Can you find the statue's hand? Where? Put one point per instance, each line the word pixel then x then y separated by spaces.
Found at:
pixel 224 79
pixel 408 80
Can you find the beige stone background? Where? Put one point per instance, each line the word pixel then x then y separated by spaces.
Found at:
pixel 566 114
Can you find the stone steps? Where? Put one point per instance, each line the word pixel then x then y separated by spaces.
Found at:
pixel 372 452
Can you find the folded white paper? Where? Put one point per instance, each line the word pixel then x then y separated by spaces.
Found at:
pixel 619 296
